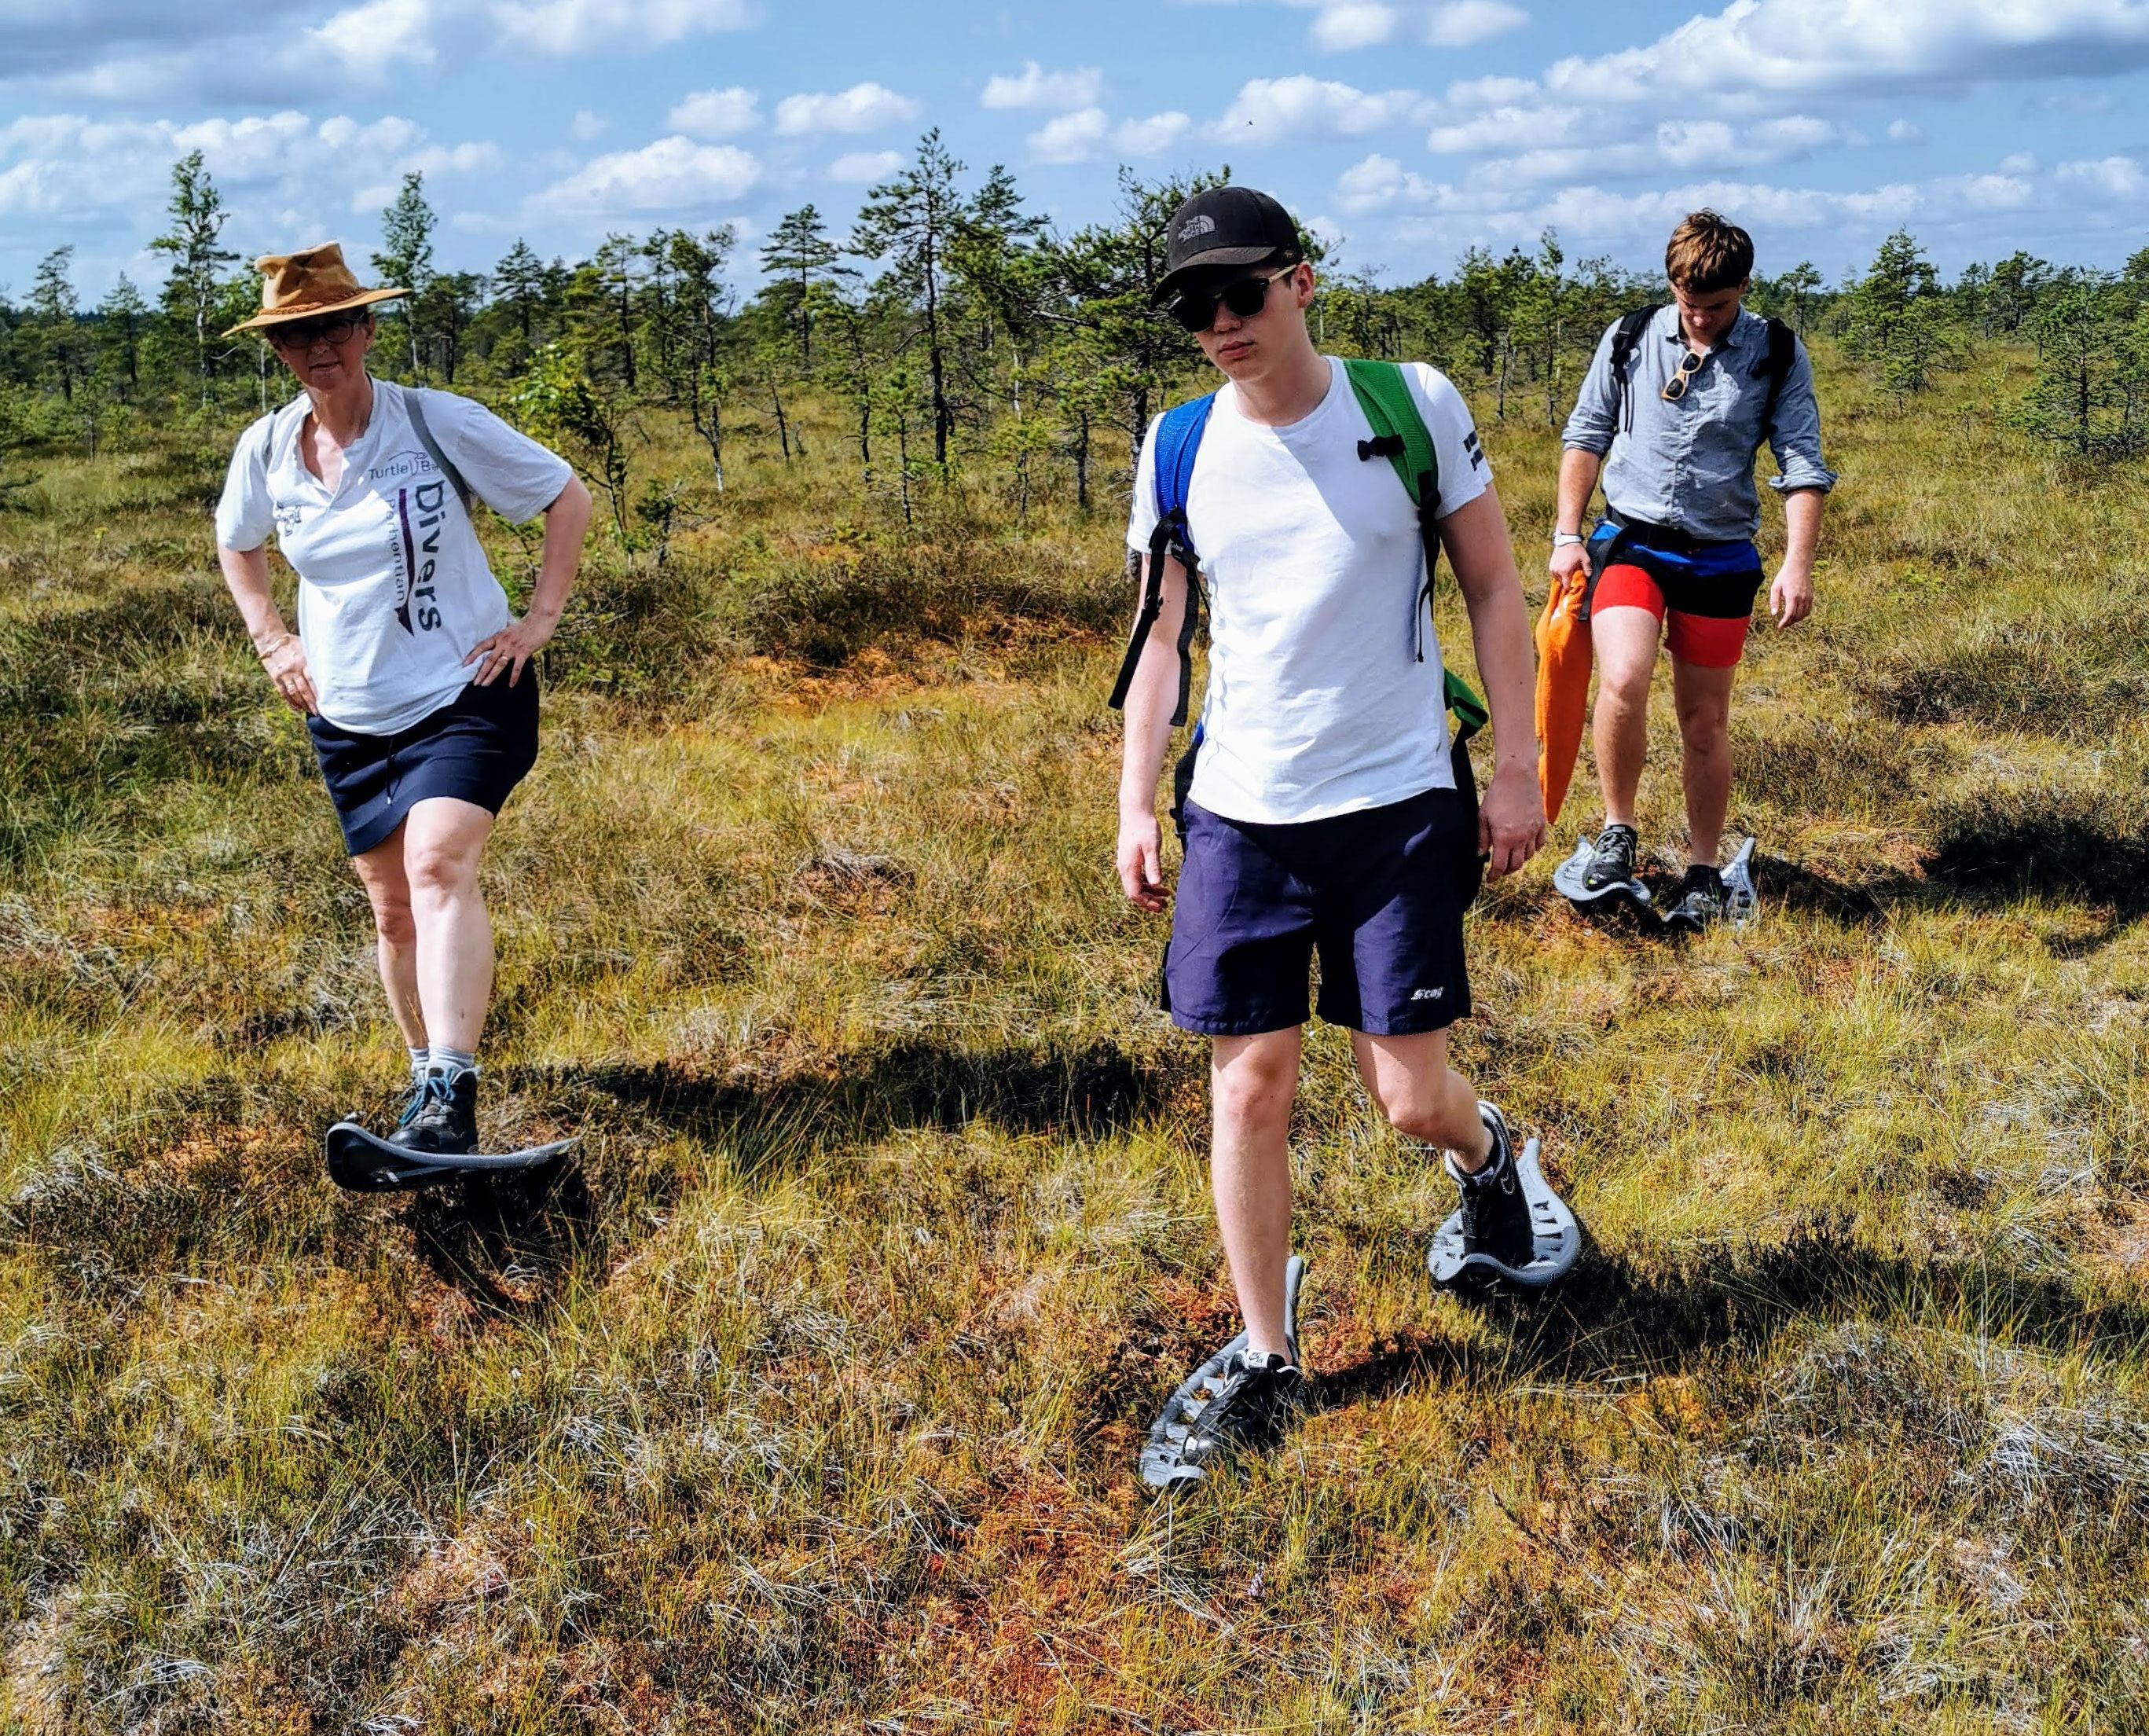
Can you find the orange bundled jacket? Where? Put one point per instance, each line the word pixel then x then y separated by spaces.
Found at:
pixel 1563 665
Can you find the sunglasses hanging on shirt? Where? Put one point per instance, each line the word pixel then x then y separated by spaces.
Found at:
pixel 1675 387
pixel 1196 309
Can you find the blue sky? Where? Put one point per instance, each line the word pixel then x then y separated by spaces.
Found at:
pixel 1406 130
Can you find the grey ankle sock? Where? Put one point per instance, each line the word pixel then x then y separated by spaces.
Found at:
pixel 419 1060
pixel 450 1062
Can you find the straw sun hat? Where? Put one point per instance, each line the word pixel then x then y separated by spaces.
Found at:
pixel 303 285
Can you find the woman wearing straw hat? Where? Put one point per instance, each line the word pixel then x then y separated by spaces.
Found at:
pixel 413 676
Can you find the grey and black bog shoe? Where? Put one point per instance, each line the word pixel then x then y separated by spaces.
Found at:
pixel 1508 1225
pixel 1701 902
pixel 1495 1217
pixel 1233 1405
pixel 1611 859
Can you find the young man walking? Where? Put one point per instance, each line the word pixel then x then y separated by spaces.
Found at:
pixel 1323 814
pixel 1682 416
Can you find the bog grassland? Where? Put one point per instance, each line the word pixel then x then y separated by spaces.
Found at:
pixel 807 1399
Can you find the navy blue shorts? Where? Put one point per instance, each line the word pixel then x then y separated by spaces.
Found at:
pixel 475 749
pixel 1379 895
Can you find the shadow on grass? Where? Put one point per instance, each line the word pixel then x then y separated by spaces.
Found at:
pixel 1607 1321
pixel 1989 856
pixel 769 1121
pixel 506 1241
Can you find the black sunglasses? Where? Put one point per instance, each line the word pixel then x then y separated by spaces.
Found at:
pixel 300 333
pixel 1675 387
pixel 1196 309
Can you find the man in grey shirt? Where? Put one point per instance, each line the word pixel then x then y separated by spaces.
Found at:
pixel 1682 417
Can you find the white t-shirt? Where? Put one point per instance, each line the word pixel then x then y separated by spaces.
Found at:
pixel 393 589
pixel 1317 704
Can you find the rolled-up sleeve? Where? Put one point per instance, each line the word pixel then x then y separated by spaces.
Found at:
pixel 1795 433
pixel 1593 421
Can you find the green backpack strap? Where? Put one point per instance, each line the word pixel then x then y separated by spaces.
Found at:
pixel 1400 435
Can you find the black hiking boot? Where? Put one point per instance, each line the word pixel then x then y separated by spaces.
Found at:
pixel 1701 899
pixel 1612 861
pixel 1495 1217
pixel 444 1119
pixel 1249 1405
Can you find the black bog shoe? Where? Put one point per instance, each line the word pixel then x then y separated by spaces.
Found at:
pixel 1494 1213
pixel 1246 1407
pixel 1612 862
pixel 445 1121
pixel 1701 899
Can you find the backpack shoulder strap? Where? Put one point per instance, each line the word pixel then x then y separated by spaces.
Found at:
pixel 1400 436
pixel 1399 431
pixel 414 405
pixel 1626 339
pixel 1783 353
pixel 1178 433
pixel 1178 443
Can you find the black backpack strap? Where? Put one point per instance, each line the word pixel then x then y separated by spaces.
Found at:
pixel 1776 369
pixel 1626 339
pixel 1167 542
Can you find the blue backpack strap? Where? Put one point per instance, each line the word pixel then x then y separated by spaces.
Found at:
pixel 1178 443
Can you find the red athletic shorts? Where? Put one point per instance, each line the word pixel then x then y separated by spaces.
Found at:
pixel 1705 613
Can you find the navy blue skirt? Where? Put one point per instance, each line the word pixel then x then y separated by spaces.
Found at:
pixel 476 749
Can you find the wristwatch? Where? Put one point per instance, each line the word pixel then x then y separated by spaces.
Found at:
pixel 1560 539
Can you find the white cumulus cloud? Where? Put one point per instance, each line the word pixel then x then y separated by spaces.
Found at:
pixel 577 27
pixel 716 113
pixel 862 108
pixel 1464 24
pixel 2114 177
pixel 862 168
pixel 1353 24
pixel 1074 138
pixel 1268 111
pixel 674 174
pixel 1034 87
pixel 1153 134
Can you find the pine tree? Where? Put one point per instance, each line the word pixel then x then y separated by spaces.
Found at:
pixel 799 257
pixel 406 258
pixel 518 283
pixel 197 218
pixel 53 308
pixel 910 220
pixel 2093 365
pixel 119 317
pixel 1896 317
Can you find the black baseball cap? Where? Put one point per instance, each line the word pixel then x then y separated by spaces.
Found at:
pixel 1224 226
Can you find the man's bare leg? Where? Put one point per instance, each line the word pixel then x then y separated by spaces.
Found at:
pixel 1253 1081
pixel 1703 698
pixel 1624 639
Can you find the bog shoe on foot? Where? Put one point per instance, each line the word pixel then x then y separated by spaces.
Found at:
pixel 1495 1217
pixel 1247 1406
pixel 1234 1403
pixel 1612 861
pixel 1701 900
pixel 443 1121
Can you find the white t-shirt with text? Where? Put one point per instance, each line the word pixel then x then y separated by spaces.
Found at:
pixel 393 588
pixel 1316 703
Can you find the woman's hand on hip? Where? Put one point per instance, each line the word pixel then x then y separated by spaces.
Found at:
pixel 511 648
pixel 285 658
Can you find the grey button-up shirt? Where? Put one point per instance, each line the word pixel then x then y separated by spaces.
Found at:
pixel 1689 464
